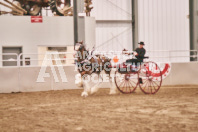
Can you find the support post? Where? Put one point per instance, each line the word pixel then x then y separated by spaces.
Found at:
pixel 75 15
pixel 134 7
pixel 193 27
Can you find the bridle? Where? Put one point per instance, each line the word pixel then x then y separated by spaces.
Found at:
pixel 82 49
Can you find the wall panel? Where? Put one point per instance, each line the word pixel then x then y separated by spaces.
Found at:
pixel 164 25
pixel 113 24
pixel 113 36
pixel 112 9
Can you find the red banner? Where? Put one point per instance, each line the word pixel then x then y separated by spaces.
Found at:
pixel 36 19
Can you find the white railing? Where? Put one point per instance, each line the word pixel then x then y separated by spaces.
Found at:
pixel 12 59
pixel 34 59
pixel 67 58
pixel 173 55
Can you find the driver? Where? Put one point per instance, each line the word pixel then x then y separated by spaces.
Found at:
pixel 139 54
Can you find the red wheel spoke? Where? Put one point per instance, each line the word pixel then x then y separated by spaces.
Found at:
pixel 131 85
pixel 122 87
pixel 153 86
pixel 156 84
pixel 121 84
pixel 126 86
pixel 149 86
pixel 146 85
pixel 132 82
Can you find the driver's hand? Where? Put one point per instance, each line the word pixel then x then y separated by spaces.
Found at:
pixel 135 53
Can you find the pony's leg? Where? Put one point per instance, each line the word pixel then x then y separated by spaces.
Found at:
pixel 96 86
pixel 113 88
pixel 85 86
pixel 78 80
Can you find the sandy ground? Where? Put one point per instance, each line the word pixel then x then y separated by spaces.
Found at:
pixel 171 109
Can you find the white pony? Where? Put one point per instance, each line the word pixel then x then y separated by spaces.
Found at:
pixel 89 65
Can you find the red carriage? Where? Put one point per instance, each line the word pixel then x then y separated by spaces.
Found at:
pixel 147 76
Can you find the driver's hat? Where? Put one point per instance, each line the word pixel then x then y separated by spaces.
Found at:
pixel 141 43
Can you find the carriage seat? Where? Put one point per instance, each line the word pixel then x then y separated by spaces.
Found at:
pixel 146 57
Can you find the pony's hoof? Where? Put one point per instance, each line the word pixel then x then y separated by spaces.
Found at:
pixel 84 94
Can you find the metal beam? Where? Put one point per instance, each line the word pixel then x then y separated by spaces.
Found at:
pixel 134 23
pixel 75 15
pixel 193 27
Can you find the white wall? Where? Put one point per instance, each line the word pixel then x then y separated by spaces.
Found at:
pixel 90 32
pixel 113 24
pixel 182 74
pixel 113 36
pixel 164 25
pixel 54 31
pixel 24 79
pixel 112 9
pixel 19 31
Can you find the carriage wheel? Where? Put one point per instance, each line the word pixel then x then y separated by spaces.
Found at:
pixel 150 78
pixel 126 82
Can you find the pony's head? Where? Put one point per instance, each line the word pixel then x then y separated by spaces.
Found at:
pixel 81 52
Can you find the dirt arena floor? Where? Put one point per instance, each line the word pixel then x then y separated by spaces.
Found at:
pixel 172 109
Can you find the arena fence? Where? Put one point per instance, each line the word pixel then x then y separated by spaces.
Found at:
pixel 23 77
pixel 29 59
pixel 173 55
pixel 67 58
